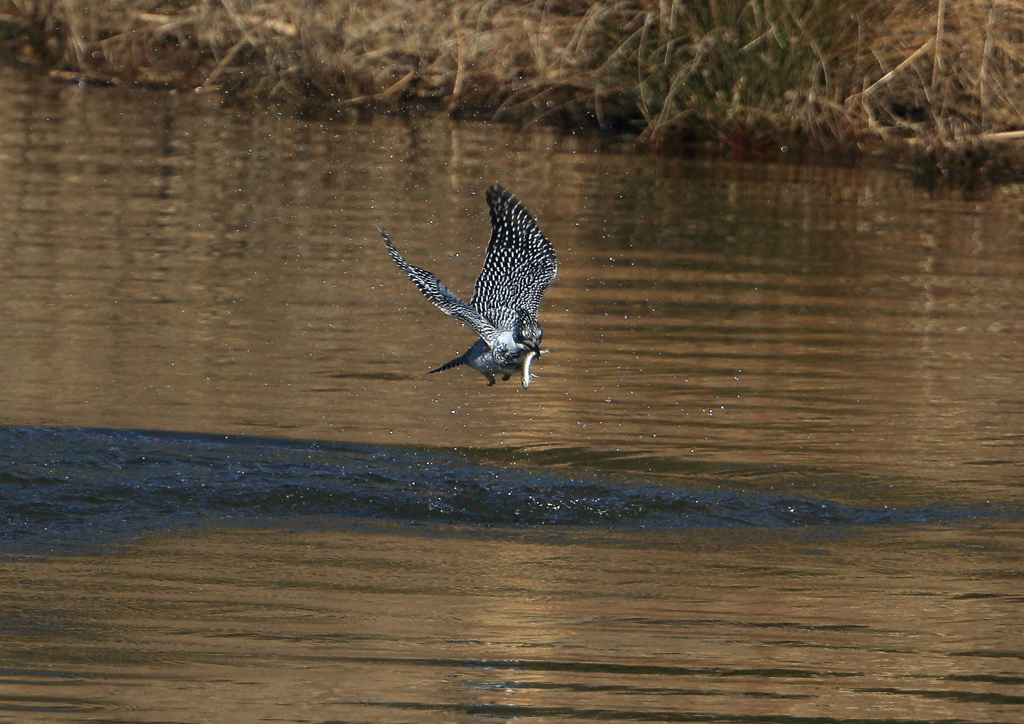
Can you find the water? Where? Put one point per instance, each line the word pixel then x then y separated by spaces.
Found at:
pixel 68 487
pixel 402 624
pixel 770 471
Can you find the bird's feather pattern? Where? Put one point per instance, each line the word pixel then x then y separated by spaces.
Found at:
pixel 520 262
pixel 519 265
pixel 442 297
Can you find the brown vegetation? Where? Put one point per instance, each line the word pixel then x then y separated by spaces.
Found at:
pixel 942 76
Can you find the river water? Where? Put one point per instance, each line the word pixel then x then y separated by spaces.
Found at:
pixel 770 471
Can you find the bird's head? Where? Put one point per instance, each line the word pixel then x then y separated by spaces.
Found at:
pixel 527 332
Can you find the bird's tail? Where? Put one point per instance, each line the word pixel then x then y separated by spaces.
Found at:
pixel 460 360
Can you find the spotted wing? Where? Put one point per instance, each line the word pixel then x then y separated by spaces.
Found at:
pixel 441 296
pixel 519 263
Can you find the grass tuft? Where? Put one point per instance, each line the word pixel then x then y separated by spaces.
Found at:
pixel 940 78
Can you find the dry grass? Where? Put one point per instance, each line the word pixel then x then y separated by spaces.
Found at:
pixel 340 52
pixel 943 76
pixel 946 73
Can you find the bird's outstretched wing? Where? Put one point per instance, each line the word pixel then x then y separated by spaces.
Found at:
pixel 519 263
pixel 441 296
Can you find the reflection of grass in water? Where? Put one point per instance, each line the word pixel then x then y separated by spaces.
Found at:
pixel 745 73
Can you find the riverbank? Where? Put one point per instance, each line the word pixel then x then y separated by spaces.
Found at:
pixel 931 79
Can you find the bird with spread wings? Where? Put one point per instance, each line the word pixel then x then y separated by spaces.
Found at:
pixel 519 265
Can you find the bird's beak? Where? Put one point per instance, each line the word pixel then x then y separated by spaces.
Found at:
pixel 526 368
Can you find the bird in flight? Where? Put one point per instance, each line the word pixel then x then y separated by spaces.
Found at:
pixel 518 266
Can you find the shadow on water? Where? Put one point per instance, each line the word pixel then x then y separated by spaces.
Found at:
pixel 69 487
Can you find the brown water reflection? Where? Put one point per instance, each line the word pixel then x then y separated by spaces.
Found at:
pixel 165 265
pixel 392 625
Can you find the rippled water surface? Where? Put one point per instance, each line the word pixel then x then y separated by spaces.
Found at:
pixel 770 471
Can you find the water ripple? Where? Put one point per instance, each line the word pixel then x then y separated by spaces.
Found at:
pixel 72 486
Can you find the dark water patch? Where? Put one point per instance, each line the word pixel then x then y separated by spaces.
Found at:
pixel 987 678
pixel 992 654
pixel 526 712
pixel 78 486
pixel 591 667
pixel 605 667
pixel 965 696
pixel 584 688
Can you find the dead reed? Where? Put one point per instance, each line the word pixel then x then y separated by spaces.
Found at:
pixel 939 76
